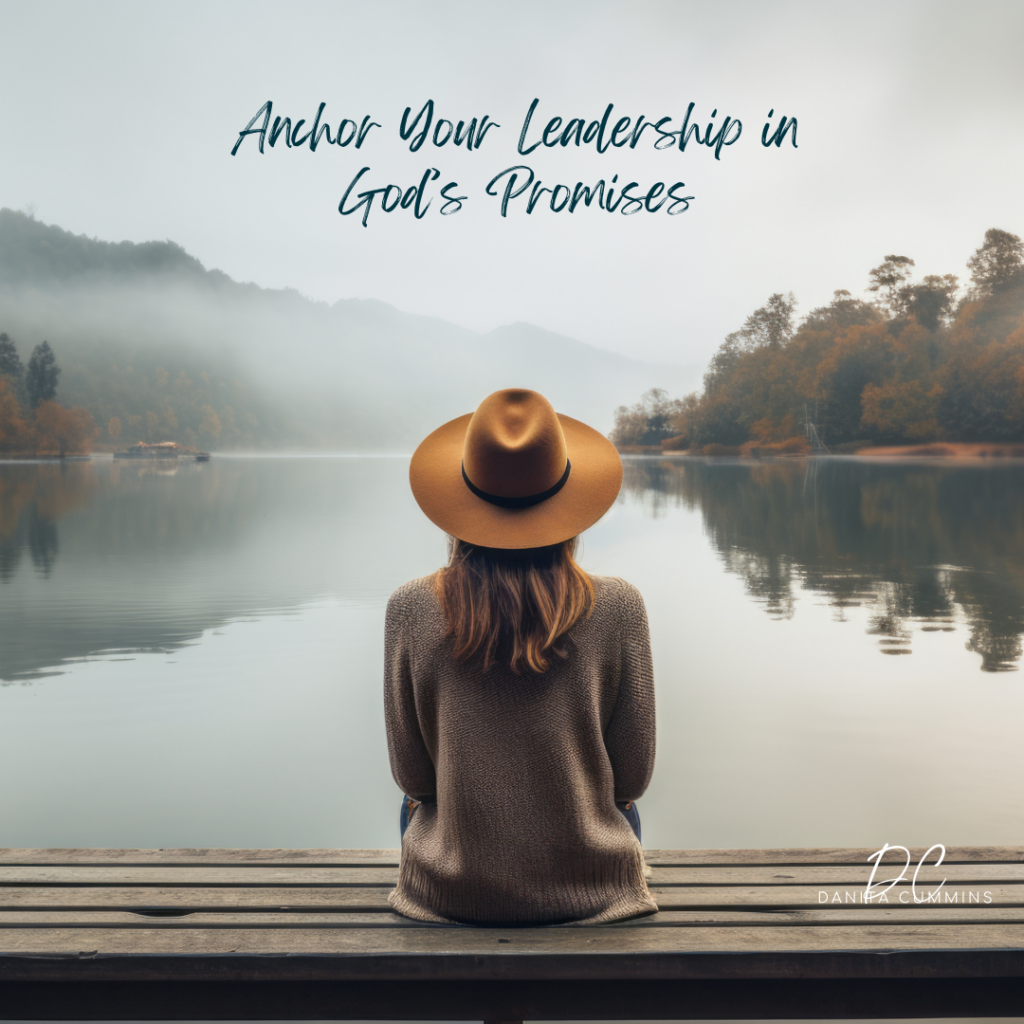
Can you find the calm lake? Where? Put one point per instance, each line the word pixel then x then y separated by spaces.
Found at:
pixel 191 655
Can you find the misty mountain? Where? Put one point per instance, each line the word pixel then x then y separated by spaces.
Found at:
pixel 145 333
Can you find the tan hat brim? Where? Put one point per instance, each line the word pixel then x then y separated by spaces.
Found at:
pixel 435 475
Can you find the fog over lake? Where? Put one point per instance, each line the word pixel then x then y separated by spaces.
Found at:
pixel 191 654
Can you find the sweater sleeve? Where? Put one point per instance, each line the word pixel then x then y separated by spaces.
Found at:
pixel 630 736
pixel 411 764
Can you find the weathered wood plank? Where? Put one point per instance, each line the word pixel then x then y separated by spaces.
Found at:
pixel 348 857
pixel 931 916
pixel 886 917
pixel 355 898
pixel 201 857
pixel 128 875
pixel 726 875
pixel 371 899
pixel 826 855
pixel 205 919
pixel 838 875
pixel 800 897
pixel 474 942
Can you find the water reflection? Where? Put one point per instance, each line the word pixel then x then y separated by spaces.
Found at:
pixel 107 558
pixel 112 558
pixel 218 628
pixel 99 557
pixel 33 497
pixel 922 546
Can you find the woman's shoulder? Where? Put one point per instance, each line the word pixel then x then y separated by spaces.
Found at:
pixel 414 610
pixel 413 618
pixel 614 596
pixel 615 588
pixel 414 596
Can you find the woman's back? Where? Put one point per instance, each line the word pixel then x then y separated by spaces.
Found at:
pixel 519 774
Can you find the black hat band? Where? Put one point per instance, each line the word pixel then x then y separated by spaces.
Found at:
pixel 525 502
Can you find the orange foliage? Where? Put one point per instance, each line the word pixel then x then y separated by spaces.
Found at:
pixel 63 431
pixel 676 444
pixel 767 430
pixel 15 433
pixel 902 410
pixel 53 430
pixel 795 445
pixel 916 367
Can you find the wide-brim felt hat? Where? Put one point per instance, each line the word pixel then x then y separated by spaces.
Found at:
pixel 515 474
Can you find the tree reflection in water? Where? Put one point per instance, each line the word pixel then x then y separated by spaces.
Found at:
pixel 152 556
pixel 922 545
pixel 131 557
pixel 32 498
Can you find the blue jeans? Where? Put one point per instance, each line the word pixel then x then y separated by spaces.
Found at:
pixel 629 811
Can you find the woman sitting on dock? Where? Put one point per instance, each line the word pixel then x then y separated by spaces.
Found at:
pixel 519 694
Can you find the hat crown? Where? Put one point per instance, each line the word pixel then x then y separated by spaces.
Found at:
pixel 514 445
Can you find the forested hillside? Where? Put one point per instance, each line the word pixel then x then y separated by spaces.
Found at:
pixel 917 361
pixel 155 347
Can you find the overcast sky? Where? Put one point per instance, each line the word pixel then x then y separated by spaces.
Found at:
pixel 118 120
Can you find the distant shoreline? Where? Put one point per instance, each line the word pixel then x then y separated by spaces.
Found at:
pixel 44 457
pixel 959 450
pixel 932 450
pixel 949 450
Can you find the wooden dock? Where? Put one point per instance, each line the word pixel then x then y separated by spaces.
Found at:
pixel 292 934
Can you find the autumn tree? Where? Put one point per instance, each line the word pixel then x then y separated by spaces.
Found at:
pixel 931 302
pixel 64 431
pixel 900 411
pixel 771 326
pixel 723 363
pixel 842 312
pixel 648 422
pixel 683 421
pixel 42 375
pixel 15 433
pixel 888 280
pixel 859 357
pixel 982 398
pixel 750 377
pixel 999 263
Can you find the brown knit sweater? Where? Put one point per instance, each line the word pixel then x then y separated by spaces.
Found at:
pixel 519 775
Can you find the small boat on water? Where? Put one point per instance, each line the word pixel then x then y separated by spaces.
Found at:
pixel 162 450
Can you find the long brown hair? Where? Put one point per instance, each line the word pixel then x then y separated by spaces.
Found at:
pixel 513 607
